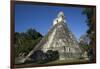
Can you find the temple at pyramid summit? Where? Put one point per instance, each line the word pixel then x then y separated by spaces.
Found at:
pixel 59 38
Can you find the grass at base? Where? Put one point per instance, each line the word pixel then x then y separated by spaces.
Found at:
pixel 67 61
pixel 53 63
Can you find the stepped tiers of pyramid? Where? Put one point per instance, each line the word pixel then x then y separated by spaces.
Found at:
pixel 59 38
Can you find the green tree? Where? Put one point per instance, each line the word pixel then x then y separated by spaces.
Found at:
pixel 26 41
pixel 90 14
pixel 91 32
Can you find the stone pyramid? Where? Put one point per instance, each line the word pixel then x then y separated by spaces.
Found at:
pixel 59 38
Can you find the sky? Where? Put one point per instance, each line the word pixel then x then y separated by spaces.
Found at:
pixel 40 18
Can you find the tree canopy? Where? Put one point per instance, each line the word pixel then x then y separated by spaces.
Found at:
pixel 91 32
pixel 26 41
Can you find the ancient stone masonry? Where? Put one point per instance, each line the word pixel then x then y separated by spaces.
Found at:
pixel 59 38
